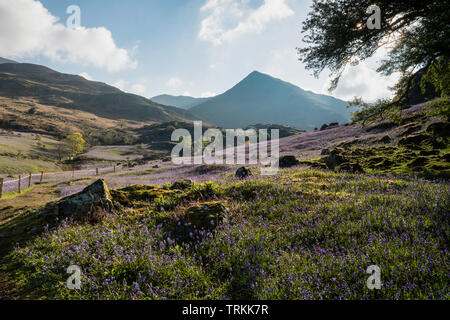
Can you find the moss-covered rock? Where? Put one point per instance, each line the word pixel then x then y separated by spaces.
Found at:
pixel 335 158
pixel 418 162
pixel 384 164
pixel 206 215
pixel 181 185
pixel 353 167
pixel 416 141
pixel 385 139
pixel 141 195
pixel 243 173
pixel 88 205
pixel 287 161
pixel 441 129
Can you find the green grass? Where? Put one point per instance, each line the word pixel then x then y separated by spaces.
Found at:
pixel 14 194
pixel 17 166
pixel 303 234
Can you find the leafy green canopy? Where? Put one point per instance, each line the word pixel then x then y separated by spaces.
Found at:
pixel 75 144
pixel 417 33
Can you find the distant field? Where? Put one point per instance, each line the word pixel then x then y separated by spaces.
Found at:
pixel 116 153
pixel 16 166
pixel 27 143
pixel 26 152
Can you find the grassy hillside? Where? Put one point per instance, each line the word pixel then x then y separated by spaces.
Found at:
pixel 74 92
pixel 419 145
pixel 25 152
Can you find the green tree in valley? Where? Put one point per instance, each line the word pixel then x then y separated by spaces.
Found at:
pixel 415 32
pixel 75 144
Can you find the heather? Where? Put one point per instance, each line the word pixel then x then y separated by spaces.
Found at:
pixel 302 234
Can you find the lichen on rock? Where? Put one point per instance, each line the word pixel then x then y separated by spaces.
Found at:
pixel 88 205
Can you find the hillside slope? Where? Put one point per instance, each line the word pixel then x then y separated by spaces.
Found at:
pixel 416 146
pixel 74 92
pixel 260 98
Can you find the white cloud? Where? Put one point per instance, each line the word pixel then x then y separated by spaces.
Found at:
pixel 120 84
pixel 229 19
pixel 174 82
pixel 363 81
pixel 208 94
pixel 27 28
pixel 136 88
pixel 86 76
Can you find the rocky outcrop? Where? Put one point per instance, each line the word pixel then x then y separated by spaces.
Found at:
pixel 385 139
pixel 353 167
pixel 243 173
pixel 287 161
pixel 181 185
pixel 207 215
pixel 334 159
pixel 89 205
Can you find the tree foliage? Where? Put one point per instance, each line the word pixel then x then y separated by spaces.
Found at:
pixel 75 144
pixel 417 34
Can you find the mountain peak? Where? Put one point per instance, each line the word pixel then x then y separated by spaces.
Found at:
pixel 256 73
pixel 261 98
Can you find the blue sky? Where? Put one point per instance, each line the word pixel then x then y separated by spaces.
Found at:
pixel 191 47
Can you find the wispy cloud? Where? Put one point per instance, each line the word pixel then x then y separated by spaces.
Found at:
pixel 363 81
pixel 28 29
pixel 136 88
pixel 226 20
pixel 86 76
pixel 174 83
pixel 208 94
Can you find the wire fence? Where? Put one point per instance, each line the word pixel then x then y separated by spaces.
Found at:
pixel 28 180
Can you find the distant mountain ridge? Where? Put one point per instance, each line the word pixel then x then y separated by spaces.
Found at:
pixel 260 98
pixel 183 102
pixel 74 92
pixel 3 60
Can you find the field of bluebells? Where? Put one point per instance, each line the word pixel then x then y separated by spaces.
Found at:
pixel 302 234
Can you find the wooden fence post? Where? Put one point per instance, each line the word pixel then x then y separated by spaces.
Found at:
pixel 29 180
pixel 20 178
pixel 114 168
pixel 96 171
pixel 42 177
pixel 1 187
